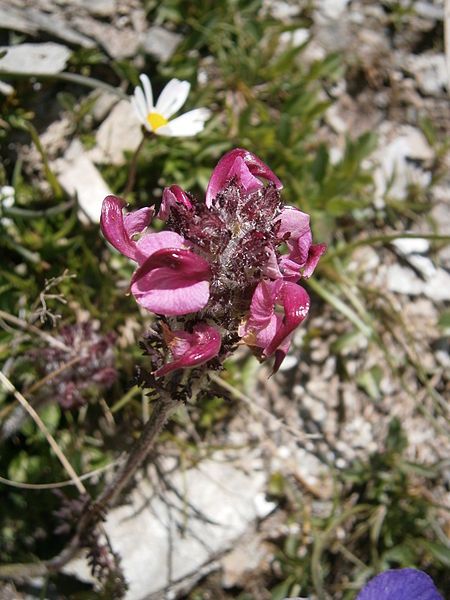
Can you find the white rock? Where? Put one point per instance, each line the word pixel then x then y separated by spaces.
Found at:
pixel 430 71
pixel 100 8
pixel 403 280
pixel 332 9
pixel 295 38
pixel 161 43
pixel 289 362
pixel 411 245
pixel 118 133
pixel 428 10
pixel 39 59
pixel 6 89
pixel 394 171
pixel 279 9
pixel 162 540
pixel 79 176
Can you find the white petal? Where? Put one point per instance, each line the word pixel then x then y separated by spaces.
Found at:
pixel 137 110
pixel 186 125
pixel 172 97
pixel 147 91
pixel 141 102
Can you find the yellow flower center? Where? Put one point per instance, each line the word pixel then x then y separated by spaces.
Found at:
pixel 155 120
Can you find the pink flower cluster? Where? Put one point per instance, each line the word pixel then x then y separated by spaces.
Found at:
pixel 224 271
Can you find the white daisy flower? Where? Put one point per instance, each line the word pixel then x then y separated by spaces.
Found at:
pixel 155 117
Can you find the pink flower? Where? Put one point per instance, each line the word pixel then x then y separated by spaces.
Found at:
pixel 190 349
pixel 303 254
pixel 172 196
pixel 245 168
pixel 219 265
pixel 268 329
pixel 171 279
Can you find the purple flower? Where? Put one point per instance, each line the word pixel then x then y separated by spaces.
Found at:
pixel 400 584
pixel 87 364
pixel 217 275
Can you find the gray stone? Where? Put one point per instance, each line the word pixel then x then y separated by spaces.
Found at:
pixel 435 282
pixel 430 71
pixel 160 42
pixel 78 176
pixel 118 133
pixel 39 59
pixel 165 538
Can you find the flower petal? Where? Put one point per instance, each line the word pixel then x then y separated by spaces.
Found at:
pixel 148 93
pixel 172 282
pixel 400 584
pixel 315 252
pixel 171 196
pixel 113 226
pixel 295 302
pixel 172 97
pixel 269 330
pixel 293 222
pixel 152 242
pixel 191 349
pixel 221 174
pixel 138 111
pixel 141 102
pixel 186 125
pixel 137 220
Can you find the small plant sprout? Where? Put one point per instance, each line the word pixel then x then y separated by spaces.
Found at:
pixel 224 271
pixel 156 117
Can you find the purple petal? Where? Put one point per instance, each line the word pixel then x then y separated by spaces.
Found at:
pixel 400 584
pixel 172 282
pixel 224 172
pixel 191 349
pixel 138 220
pixel 171 196
pixel 113 226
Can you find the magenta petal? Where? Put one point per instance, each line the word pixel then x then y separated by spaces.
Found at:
pixel 315 252
pixel 293 222
pixel 172 282
pixel 243 176
pixel 400 584
pixel 138 220
pixel 263 301
pixel 295 302
pixel 224 172
pixel 192 349
pixel 171 196
pixel 113 226
pixel 152 242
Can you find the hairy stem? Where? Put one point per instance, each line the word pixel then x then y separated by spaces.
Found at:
pixel 162 410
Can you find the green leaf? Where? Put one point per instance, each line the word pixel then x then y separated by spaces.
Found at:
pixel 444 320
pixel 439 551
pixel 320 164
